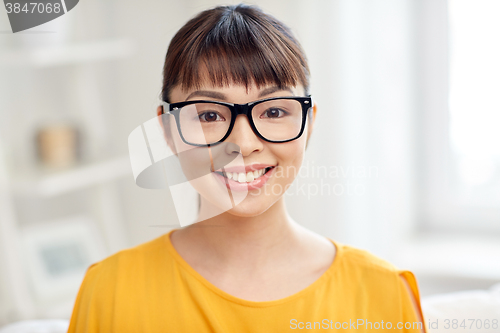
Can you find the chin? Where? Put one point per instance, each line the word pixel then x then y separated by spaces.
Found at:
pixel 252 208
pixel 251 212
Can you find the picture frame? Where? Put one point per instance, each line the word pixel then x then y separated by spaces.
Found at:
pixel 58 254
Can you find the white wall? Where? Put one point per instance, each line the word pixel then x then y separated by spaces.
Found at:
pixel 363 57
pixel 360 55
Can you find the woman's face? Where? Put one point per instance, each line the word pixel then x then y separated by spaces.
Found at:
pixel 263 171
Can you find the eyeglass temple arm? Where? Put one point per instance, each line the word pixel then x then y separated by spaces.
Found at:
pixel 166 107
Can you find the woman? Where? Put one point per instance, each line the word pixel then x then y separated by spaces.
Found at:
pixel 236 78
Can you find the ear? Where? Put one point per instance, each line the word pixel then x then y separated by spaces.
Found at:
pixel 164 121
pixel 311 123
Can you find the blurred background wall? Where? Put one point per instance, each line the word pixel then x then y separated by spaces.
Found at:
pixel 403 162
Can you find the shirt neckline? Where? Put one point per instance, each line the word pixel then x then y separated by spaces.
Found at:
pixel 234 299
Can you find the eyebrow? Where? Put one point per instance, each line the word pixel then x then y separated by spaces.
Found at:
pixel 207 93
pixel 274 89
pixel 222 97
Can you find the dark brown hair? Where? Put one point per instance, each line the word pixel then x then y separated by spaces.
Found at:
pixel 237 44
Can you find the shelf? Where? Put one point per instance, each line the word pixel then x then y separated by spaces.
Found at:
pixel 25 183
pixel 69 54
pixel 77 178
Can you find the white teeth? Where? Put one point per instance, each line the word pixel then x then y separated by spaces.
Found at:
pixel 245 177
pixel 250 177
pixel 242 178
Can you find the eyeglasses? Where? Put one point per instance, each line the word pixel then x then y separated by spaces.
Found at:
pixel 207 123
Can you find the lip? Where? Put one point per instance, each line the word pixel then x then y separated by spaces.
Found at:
pixel 247 168
pixel 237 186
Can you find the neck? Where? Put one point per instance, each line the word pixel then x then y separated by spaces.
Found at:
pixel 251 241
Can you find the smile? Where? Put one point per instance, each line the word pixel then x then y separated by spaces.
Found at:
pixel 255 177
pixel 248 177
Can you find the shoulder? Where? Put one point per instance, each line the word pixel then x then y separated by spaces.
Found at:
pixel 364 260
pixel 111 285
pixel 129 262
pixel 124 274
pixel 384 289
pixel 357 267
pixel 373 278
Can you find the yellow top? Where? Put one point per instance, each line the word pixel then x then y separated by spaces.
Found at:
pixel 150 288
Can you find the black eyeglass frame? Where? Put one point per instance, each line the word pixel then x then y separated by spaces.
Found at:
pixel 237 109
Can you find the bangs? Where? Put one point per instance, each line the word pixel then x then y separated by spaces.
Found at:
pixel 234 45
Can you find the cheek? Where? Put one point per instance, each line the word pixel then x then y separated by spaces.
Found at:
pixel 291 151
pixel 177 142
pixel 194 161
pixel 289 157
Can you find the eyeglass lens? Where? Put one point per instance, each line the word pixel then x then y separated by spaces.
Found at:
pixel 207 123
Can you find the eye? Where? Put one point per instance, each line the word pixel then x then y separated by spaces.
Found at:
pixel 210 116
pixel 273 113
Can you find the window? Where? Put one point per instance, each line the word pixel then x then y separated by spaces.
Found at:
pixel 461 107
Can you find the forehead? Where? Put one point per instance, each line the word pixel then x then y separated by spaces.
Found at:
pixel 230 82
pixel 233 92
pixel 229 85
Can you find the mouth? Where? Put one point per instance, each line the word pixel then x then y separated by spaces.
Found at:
pixel 248 177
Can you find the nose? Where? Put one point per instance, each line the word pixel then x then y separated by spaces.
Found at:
pixel 243 135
